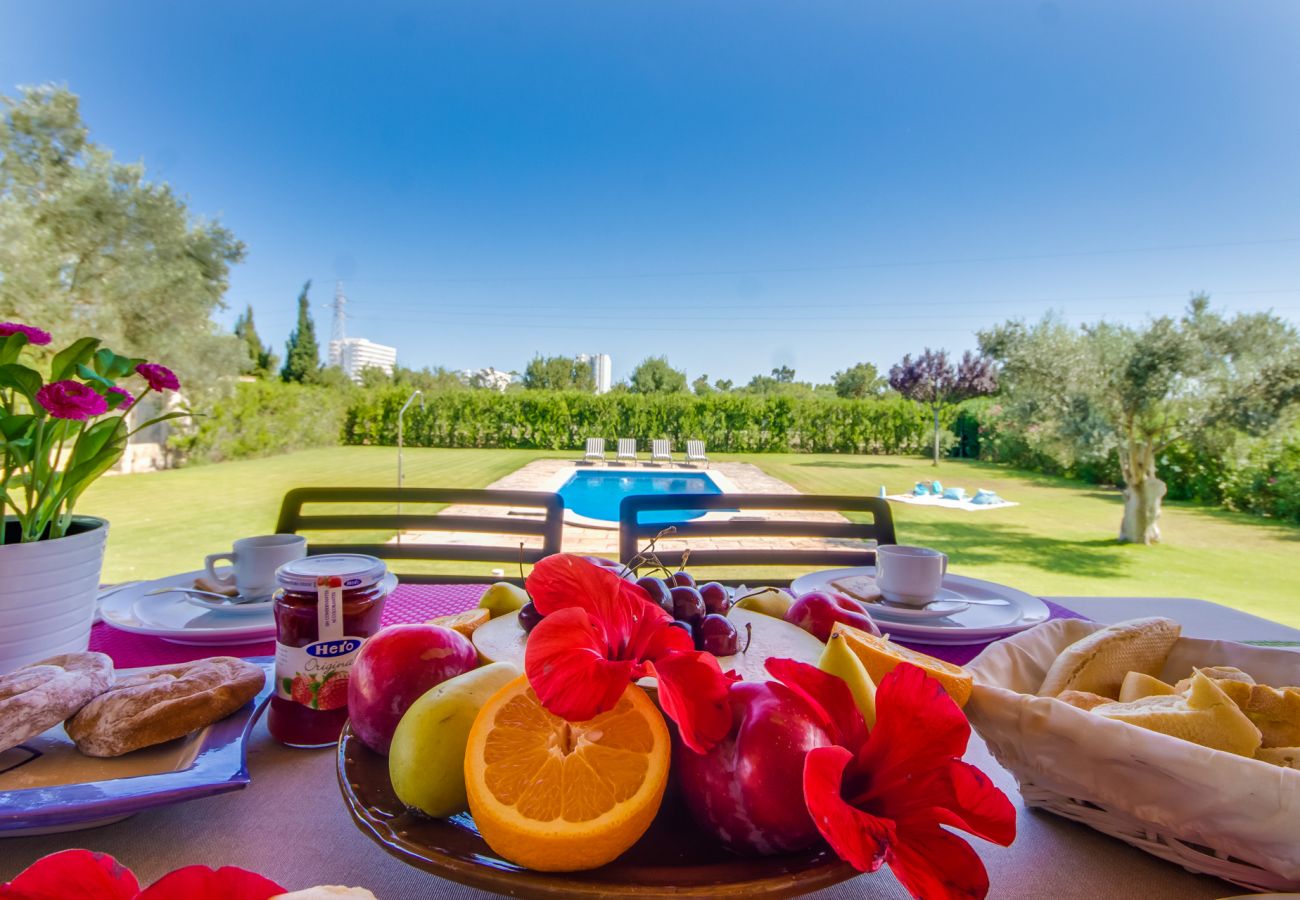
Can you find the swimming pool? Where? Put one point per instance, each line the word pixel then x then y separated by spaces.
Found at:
pixel 597 495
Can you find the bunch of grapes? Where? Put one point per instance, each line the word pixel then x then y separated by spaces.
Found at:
pixel 700 611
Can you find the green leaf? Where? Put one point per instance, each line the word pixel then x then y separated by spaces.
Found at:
pixel 20 378
pixel 95 438
pixel 76 354
pixel 93 376
pixel 11 346
pixel 112 365
pixel 17 426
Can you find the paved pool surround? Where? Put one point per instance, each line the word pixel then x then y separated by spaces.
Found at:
pixel 600 538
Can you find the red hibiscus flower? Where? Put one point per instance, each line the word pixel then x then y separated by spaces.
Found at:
pixel 601 632
pixel 128 399
pixel 98 876
pixel 34 335
pixel 160 378
pixel 71 400
pixel 882 796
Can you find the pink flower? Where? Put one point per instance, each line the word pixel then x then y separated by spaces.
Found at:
pixel 160 378
pixel 128 399
pixel 34 335
pixel 71 400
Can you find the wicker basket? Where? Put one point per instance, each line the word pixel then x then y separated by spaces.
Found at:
pixel 1211 812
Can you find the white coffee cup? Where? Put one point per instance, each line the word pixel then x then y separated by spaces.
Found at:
pixel 909 575
pixel 255 560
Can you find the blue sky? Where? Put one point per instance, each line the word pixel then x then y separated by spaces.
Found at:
pixel 735 185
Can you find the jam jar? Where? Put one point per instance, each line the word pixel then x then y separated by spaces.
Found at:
pixel 325 608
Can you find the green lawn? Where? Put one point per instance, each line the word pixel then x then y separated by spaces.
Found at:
pixel 1059 541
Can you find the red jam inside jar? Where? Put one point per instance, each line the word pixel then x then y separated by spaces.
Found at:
pixel 325 608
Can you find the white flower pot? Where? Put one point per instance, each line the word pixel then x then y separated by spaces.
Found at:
pixel 47 593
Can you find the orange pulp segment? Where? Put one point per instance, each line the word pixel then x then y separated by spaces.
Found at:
pixel 559 796
pixel 881 656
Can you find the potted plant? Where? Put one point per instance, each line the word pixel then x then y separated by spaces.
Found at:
pixel 57 435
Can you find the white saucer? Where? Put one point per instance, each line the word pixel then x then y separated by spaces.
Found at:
pixel 170 617
pixel 1010 611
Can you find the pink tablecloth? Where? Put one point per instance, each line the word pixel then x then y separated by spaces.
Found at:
pixel 408 603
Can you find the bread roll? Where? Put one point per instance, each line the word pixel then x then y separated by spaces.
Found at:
pixel 1082 699
pixel 1286 757
pixel 1275 711
pixel 327 892
pixel 1205 715
pixel 1098 663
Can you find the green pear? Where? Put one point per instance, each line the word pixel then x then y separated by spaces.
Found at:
pixel 426 762
pixel 839 659
pixel 769 601
pixel 503 597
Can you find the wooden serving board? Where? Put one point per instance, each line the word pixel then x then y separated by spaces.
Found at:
pixel 502 640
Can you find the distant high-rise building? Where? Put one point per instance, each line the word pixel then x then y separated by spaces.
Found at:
pixel 602 370
pixel 354 355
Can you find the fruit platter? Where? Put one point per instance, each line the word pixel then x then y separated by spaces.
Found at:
pixel 623 731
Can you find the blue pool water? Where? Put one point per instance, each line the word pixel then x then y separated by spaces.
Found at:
pixel 597 495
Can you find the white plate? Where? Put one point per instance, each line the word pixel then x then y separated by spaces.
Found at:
pixel 980 623
pixel 249 608
pixel 170 617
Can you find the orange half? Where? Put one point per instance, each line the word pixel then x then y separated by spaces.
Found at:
pixel 880 657
pixel 560 796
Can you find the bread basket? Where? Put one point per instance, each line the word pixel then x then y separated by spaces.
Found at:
pixel 1209 811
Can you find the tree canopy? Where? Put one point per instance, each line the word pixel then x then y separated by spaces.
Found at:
pixel 655 376
pixel 859 381
pixel 559 373
pixel 932 379
pixel 89 245
pixel 1107 388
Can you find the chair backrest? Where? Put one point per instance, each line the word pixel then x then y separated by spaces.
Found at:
pixel 595 445
pixel 547 522
pixel 633 534
pixel 661 448
pixel 627 446
pixel 695 448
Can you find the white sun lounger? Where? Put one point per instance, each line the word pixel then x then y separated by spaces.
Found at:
pixel 661 452
pixel 695 453
pixel 595 450
pixel 626 450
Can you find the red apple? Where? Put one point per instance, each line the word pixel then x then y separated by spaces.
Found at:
pixel 748 790
pixel 394 669
pixel 818 611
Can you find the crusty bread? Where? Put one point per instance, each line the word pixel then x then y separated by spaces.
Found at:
pixel 1215 673
pixel 162 704
pixel 39 696
pixel 862 588
pixel 1098 663
pixel 327 892
pixel 1139 684
pixel 1286 757
pixel 1205 715
pixel 1275 711
pixel 1083 699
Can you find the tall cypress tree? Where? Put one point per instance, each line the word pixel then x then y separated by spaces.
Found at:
pixel 261 361
pixel 302 356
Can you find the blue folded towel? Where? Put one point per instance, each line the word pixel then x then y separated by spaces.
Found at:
pixel 955 494
pixel 921 489
pixel 936 488
pixel 986 498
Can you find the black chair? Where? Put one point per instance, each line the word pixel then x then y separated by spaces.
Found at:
pixel 548 522
pixel 634 534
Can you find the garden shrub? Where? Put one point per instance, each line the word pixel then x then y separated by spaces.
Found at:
pixel 263 418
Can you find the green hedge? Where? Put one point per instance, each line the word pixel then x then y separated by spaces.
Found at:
pixel 564 420
pixel 263 418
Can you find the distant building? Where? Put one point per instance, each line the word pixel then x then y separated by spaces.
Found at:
pixel 353 355
pixel 491 378
pixel 602 370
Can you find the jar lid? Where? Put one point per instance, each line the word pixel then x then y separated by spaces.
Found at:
pixel 356 569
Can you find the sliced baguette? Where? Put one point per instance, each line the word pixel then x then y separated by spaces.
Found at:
pixel 1098 663
pixel 1139 684
pixel 1205 715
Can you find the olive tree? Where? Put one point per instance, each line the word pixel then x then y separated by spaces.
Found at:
pixel 933 380
pixel 1087 392
pixel 655 376
pixel 90 245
